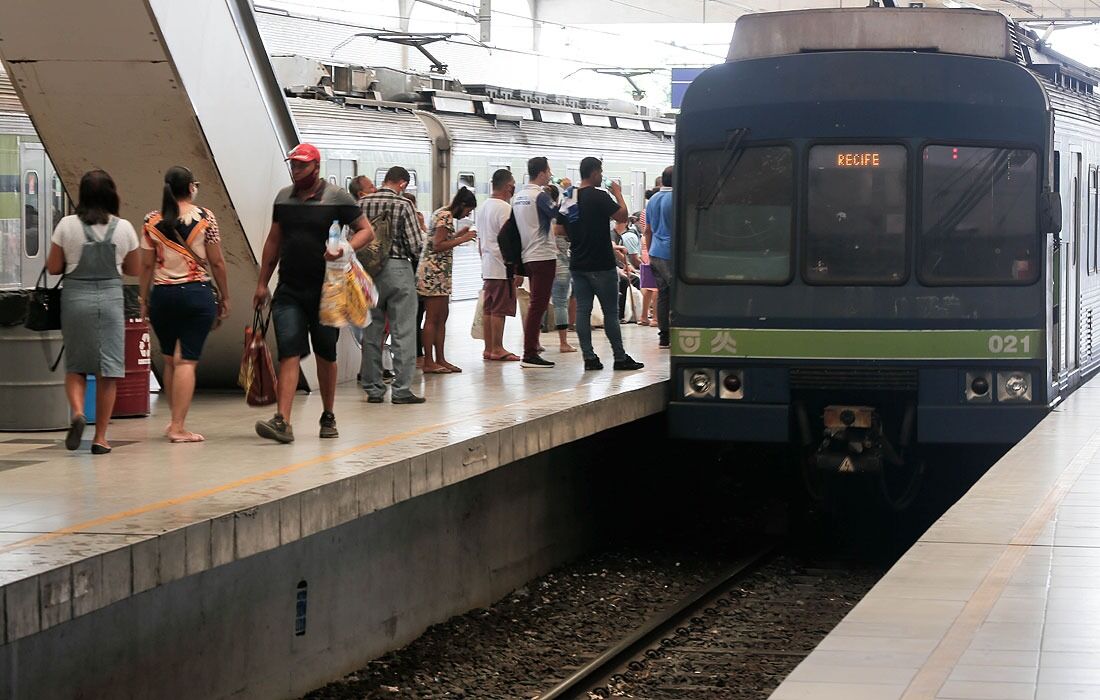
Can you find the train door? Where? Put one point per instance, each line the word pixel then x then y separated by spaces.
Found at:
pixel 1074 265
pixel 340 172
pixel 1057 275
pixel 33 200
pixel 637 190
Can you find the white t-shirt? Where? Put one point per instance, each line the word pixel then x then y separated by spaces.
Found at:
pixel 69 234
pixel 492 214
pixel 533 217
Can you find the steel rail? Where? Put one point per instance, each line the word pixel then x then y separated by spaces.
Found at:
pixel 599 671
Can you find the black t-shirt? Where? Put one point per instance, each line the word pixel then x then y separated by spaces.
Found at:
pixel 305 225
pixel 590 236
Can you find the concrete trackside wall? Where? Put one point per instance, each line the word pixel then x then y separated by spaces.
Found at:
pixel 373 584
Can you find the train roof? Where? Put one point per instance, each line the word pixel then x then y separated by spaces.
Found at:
pixel 962 31
pixel 958 31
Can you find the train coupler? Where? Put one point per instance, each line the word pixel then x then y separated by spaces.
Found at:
pixel 854 442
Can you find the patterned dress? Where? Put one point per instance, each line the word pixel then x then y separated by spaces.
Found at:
pixel 433 274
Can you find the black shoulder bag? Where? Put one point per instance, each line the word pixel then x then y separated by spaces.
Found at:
pixel 44 305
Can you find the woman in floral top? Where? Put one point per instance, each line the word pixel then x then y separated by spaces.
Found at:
pixel 181 247
pixel 433 277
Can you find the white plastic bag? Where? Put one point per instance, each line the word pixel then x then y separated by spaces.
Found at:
pixel 477 329
pixel 523 300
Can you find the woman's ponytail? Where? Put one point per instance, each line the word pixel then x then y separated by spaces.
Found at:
pixel 177 186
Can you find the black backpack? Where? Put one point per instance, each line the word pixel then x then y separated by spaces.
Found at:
pixel 511 246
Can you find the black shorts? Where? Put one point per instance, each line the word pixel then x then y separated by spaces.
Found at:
pixel 182 314
pixel 298 325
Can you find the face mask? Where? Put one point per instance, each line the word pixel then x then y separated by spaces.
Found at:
pixel 306 181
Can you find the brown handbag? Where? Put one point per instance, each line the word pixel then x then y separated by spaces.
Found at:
pixel 257 374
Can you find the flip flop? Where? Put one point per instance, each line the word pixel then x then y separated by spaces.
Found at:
pixel 191 437
pixel 510 357
pixel 437 370
pixel 452 368
pixel 76 432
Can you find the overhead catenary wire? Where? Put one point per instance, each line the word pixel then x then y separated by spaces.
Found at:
pixel 543 22
pixel 456 40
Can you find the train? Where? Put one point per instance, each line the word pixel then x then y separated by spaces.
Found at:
pixel 364 120
pixel 449 135
pixel 887 240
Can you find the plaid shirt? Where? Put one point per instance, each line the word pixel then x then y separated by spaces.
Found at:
pixel 405 229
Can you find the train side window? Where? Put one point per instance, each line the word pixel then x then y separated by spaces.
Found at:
pixel 468 181
pixel 742 231
pixel 412 188
pixel 32 237
pixel 856 215
pixel 979 216
pixel 379 177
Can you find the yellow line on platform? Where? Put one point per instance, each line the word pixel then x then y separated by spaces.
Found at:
pixel 245 481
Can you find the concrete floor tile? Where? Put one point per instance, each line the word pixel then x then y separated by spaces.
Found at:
pixel 795 690
pixel 290 518
pixel 870 674
pixel 1061 691
pixel 994 674
pixel 23 613
pixel 56 596
pixel 976 690
pixel 197 539
pixel 173 556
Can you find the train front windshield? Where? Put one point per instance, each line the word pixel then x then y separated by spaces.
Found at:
pixel 975 222
pixel 979 218
pixel 739 229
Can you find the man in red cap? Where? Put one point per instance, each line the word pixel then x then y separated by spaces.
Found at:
pixel 296 244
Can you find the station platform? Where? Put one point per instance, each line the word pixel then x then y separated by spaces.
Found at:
pixel 79 533
pixel 999 600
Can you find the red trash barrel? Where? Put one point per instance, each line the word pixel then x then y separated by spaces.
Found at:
pixel 133 391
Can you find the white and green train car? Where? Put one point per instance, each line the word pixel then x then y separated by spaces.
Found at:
pixel 31 196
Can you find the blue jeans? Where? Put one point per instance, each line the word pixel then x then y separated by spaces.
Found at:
pixel 603 285
pixel 559 295
pixel 397 302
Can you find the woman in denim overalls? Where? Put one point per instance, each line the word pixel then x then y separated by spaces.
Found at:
pixel 91 300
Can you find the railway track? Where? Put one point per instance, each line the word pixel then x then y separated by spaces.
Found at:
pixel 737 636
pixel 609 667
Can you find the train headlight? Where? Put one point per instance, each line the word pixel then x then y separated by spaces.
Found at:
pixel 731 384
pixel 699 383
pixel 1014 386
pixel 978 387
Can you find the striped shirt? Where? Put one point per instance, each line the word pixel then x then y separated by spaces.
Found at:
pixel 408 240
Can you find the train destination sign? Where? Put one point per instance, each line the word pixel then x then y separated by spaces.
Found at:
pixel 847 159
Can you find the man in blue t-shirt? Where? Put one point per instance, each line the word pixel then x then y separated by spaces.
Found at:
pixel 659 218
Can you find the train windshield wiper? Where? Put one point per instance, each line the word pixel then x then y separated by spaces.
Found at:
pixel 732 151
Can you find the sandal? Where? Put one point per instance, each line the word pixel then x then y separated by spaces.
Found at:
pixel 454 369
pixel 440 369
pixel 509 357
pixel 188 437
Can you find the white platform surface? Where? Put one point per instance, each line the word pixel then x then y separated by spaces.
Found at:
pixel 999 600
pixel 78 532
